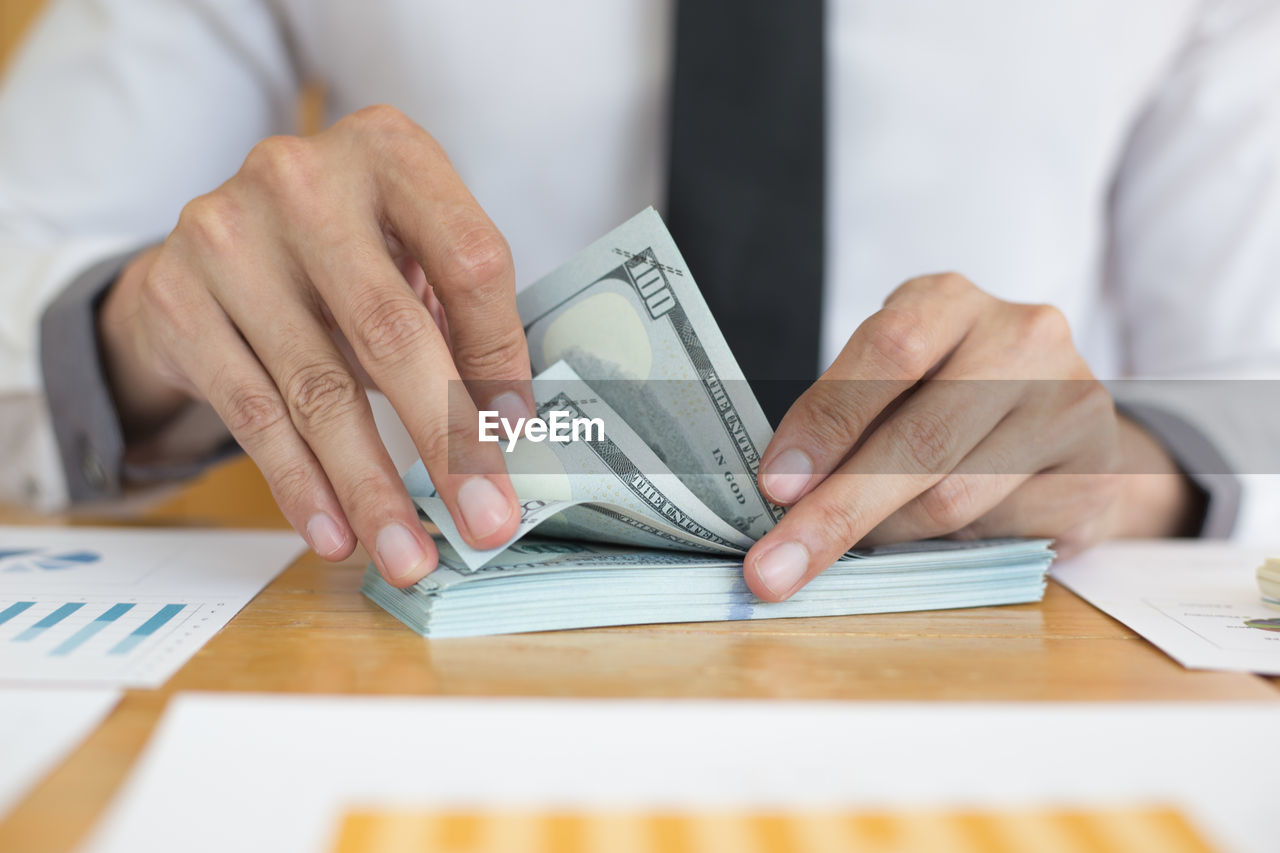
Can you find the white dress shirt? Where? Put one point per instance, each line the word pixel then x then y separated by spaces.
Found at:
pixel 1118 160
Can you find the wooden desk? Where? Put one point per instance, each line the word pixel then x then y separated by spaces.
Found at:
pixel 311 631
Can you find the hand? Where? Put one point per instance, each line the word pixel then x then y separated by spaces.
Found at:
pixel 953 413
pixel 322 259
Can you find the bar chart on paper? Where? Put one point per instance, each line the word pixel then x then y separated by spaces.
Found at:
pixel 94 639
pixel 124 607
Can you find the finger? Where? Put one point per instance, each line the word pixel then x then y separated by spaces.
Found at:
pixel 466 260
pixel 396 340
pixel 995 468
pixel 423 291
pixel 214 359
pixel 914 449
pixel 1056 426
pixel 330 410
pixel 953 503
pixel 1067 500
pixel 921 323
pixel 1066 507
pixel 417 281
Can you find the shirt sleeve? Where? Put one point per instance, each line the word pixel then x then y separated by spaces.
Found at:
pixel 1194 254
pixel 113 115
pixel 86 424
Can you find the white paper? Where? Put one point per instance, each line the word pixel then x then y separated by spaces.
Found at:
pixel 259 773
pixel 1191 599
pixel 39 726
pixel 124 606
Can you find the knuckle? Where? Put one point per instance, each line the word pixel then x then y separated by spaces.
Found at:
pixel 1091 406
pixel 1095 402
pixel 436 442
pixel 321 393
pixel 283 164
pixel 380 118
pixel 389 327
pixel 292 484
pixel 926 440
pixel 1042 325
pixel 840 522
pixel 497 354
pixel 1084 418
pixel 897 338
pixel 211 223
pixel 946 284
pixel 948 504
pixel 459 438
pixel 367 497
pixel 448 446
pixel 829 420
pixel 949 284
pixel 167 293
pixel 252 411
pixel 479 262
pixel 394 139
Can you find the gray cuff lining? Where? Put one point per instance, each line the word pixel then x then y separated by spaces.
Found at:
pixel 85 422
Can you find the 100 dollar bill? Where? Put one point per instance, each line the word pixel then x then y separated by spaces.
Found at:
pixel 626 315
pixel 611 487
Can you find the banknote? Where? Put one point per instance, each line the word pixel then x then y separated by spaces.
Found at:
pixel 627 316
pixel 611 488
pixel 542 584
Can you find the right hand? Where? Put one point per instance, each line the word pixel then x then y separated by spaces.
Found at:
pixel 358 250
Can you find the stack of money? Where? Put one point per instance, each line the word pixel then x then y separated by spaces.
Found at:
pixel 547 584
pixel 640 498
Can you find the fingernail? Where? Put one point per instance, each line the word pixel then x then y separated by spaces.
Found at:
pixel 325 535
pixel 484 507
pixel 782 568
pixel 787 475
pixel 399 551
pixel 511 407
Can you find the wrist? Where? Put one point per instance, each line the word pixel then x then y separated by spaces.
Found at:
pixel 144 401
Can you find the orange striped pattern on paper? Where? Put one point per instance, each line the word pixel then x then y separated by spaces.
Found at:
pixel 1044 831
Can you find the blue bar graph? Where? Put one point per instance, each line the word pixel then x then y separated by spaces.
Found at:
pixel 48 622
pixel 14 609
pixel 146 629
pixel 78 639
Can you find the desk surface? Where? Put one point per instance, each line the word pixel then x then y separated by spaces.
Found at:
pixel 311 631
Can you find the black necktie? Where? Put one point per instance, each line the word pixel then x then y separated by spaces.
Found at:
pixel 745 193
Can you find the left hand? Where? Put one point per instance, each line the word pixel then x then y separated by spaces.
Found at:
pixel 952 413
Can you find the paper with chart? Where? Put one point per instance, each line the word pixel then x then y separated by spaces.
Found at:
pixel 124 606
pixel 1210 763
pixel 39 726
pixel 1197 601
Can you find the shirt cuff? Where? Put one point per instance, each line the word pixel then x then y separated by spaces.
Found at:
pixel 86 424
pixel 1203 463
